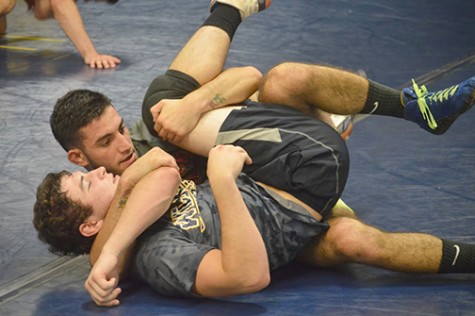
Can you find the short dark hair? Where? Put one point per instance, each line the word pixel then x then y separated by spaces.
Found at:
pixel 75 110
pixel 57 218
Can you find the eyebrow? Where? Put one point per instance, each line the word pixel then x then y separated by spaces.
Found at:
pixel 110 134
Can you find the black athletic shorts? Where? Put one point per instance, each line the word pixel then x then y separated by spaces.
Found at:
pixel 290 150
pixel 174 85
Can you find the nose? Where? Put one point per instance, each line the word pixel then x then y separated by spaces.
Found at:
pixel 99 172
pixel 124 143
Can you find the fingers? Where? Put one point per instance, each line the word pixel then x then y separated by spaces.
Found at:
pixel 165 133
pixel 155 110
pixel 168 136
pixel 103 61
pixel 230 149
pixel 103 292
pixel 109 300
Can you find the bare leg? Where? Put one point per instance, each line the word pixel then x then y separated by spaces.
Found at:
pixel 3 25
pixel 351 241
pixel 6 6
pixel 315 88
pixel 204 54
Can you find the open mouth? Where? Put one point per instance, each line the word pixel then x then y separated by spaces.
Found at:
pixel 129 157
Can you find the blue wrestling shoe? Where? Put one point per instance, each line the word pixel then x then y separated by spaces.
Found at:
pixel 436 111
pixel 245 7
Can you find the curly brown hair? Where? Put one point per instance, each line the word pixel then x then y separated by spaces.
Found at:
pixel 57 218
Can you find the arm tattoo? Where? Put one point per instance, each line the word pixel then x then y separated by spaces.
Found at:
pixel 124 198
pixel 217 100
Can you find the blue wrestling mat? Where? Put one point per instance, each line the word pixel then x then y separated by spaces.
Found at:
pixel 402 178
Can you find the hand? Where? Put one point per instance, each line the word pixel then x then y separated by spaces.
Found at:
pixel 174 119
pixel 102 281
pixel 155 158
pixel 102 61
pixel 227 160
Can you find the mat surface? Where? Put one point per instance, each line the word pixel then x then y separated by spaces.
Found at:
pixel 402 178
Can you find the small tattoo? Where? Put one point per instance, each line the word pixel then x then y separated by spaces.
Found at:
pixel 124 198
pixel 217 100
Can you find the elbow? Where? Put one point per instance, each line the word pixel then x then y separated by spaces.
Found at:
pixel 170 177
pixel 253 283
pixel 262 282
pixel 171 174
pixel 42 15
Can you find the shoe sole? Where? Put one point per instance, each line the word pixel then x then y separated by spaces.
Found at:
pixel 448 121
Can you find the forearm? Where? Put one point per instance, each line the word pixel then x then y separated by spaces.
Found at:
pixel 231 86
pixel 133 210
pixel 148 201
pixel 115 211
pixel 69 19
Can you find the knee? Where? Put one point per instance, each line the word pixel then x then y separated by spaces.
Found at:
pixel 278 72
pixel 46 9
pixel 352 239
pixel 42 15
pixel 6 6
pixel 277 82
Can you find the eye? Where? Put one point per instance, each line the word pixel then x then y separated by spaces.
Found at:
pixel 122 129
pixel 106 142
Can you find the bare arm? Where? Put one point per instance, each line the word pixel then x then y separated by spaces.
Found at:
pixel 145 192
pixel 241 266
pixel 150 184
pixel 148 201
pixel 174 119
pixel 152 160
pixel 69 19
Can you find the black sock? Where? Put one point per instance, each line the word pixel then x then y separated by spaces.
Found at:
pixel 224 17
pixel 383 100
pixel 457 258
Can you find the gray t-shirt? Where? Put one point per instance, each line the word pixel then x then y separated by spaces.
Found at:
pixel 170 251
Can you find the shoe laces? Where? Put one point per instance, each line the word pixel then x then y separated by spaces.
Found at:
pixel 440 96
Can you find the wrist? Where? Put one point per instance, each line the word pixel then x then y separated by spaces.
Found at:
pixel 109 251
pixel 221 181
pixel 201 99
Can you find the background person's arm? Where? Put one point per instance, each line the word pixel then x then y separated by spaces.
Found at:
pixel 67 14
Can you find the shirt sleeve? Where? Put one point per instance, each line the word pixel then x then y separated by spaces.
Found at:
pixel 169 263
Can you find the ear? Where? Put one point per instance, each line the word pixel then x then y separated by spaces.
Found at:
pixel 77 157
pixel 90 228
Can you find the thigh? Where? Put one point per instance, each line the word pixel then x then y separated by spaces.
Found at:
pixel 291 151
